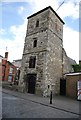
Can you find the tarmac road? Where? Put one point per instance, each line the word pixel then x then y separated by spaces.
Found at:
pixel 16 107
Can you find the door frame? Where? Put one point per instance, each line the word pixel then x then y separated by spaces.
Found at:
pixel 31 83
pixel 63 86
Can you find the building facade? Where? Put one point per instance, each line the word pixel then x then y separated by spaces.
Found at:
pixel 17 63
pixel 72 84
pixel 44 61
pixel 8 69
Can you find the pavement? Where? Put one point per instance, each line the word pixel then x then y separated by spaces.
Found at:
pixel 58 102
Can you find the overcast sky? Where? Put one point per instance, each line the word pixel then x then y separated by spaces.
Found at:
pixel 13 19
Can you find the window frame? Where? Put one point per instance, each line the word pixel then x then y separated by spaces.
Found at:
pixel 35 42
pixel 32 61
pixel 37 23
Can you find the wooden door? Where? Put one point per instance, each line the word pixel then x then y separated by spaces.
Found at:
pixel 31 83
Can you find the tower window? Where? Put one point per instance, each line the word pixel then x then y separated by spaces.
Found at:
pixel 35 43
pixel 56 26
pixel 37 23
pixel 32 62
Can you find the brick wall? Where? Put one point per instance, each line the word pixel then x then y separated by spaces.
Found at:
pixel 7 71
pixel 71 84
pixel 6 65
pixel 0 69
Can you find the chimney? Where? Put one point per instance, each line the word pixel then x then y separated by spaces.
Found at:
pixel 6 55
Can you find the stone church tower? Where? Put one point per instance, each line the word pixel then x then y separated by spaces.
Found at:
pixel 42 62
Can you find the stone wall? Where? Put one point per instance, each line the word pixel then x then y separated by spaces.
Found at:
pixel 50 57
pixel 53 70
pixel 43 23
pixel 40 61
pixel 66 63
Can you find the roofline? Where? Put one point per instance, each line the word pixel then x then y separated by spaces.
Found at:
pixel 11 63
pixel 1 56
pixel 44 10
pixel 69 74
pixel 16 60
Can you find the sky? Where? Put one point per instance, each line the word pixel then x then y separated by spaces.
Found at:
pixel 13 25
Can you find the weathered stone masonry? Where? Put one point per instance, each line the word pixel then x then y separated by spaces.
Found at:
pixel 50 64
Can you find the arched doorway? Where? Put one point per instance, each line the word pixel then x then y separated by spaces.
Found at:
pixel 31 79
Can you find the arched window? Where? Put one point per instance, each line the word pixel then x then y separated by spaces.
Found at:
pixel 32 61
pixel 35 43
pixel 37 23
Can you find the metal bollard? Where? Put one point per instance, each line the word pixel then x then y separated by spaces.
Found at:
pixel 51 97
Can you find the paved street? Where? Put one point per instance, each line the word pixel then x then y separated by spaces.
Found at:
pixel 17 107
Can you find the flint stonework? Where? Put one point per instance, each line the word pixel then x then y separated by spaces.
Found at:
pixel 51 60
